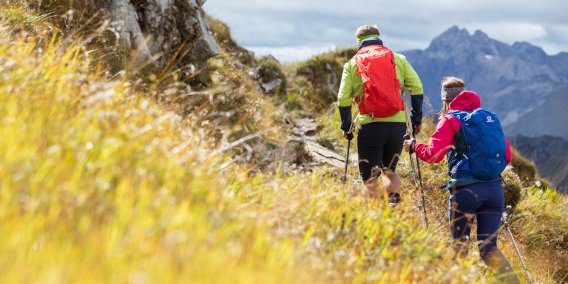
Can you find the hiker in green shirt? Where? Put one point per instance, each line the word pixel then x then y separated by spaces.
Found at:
pixel 381 127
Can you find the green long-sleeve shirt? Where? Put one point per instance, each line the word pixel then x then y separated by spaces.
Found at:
pixel 352 85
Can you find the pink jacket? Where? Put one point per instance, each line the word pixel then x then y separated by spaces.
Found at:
pixel 443 138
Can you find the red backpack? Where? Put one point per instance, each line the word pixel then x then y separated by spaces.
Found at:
pixel 381 88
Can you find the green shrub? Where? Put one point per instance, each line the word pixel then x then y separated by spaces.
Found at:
pixel 323 74
pixel 269 71
pixel 523 167
pixel 225 41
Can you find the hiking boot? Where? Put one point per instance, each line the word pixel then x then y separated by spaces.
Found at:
pixel 394 199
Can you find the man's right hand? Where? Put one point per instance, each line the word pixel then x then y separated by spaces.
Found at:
pixel 348 135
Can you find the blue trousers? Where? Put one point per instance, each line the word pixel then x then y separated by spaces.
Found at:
pixel 481 201
pixel 484 202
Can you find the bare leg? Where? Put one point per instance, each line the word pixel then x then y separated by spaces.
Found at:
pixel 391 181
pixel 370 188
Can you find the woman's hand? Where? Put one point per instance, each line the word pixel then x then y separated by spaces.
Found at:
pixel 408 145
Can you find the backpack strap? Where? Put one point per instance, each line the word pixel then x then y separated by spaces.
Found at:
pixel 456 154
pixel 461 144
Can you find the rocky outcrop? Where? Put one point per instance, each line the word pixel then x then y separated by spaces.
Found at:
pixel 324 76
pixel 304 131
pixel 162 31
pixel 302 151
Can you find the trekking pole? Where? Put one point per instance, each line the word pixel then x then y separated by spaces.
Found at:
pixel 421 189
pixel 346 160
pixel 506 215
pixel 418 180
pixel 350 132
pixel 417 176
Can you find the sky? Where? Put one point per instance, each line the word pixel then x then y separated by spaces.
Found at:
pixel 294 30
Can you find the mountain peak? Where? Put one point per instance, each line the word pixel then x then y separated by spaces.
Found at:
pixel 480 35
pixel 459 42
pixel 454 32
pixel 530 50
pixel 449 40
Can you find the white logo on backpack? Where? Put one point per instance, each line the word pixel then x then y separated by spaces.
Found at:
pixel 490 119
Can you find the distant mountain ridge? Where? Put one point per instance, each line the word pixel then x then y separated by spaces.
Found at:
pixel 527 88
pixel 550 155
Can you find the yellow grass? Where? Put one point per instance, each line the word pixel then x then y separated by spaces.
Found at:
pixel 98 183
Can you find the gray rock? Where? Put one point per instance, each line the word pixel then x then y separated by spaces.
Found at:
pixel 271 86
pixel 159 30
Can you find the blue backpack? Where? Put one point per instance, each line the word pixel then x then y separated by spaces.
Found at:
pixel 481 149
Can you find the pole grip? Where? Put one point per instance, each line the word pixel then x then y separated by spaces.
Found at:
pixel 509 209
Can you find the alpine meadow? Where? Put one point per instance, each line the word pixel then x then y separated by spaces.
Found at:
pixel 190 160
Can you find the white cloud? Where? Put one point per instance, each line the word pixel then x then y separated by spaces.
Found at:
pixel 510 32
pixel 550 48
pixel 282 25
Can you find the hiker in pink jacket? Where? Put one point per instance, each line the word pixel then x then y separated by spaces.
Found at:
pixel 477 152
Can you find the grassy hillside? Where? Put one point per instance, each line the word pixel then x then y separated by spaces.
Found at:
pixel 108 178
pixel 548 154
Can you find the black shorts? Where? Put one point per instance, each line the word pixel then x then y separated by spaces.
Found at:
pixel 379 145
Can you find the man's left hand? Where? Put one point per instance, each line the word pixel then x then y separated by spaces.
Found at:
pixel 416 129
